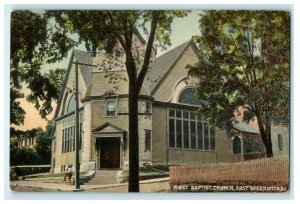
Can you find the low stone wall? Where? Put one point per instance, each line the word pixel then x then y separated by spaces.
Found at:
pixel 258 175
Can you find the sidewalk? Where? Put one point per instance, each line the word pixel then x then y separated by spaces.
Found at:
pixel 151 185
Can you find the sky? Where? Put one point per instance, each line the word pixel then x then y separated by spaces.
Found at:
pixel 182 30
pixel 291 197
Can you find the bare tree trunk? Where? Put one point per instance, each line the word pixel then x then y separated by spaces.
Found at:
pixel 133 181
pixel 268 134
pixel 265 134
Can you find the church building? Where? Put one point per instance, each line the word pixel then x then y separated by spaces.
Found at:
pixel 170 133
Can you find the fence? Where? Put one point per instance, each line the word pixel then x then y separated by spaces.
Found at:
pixel 255 171
pixel 16 171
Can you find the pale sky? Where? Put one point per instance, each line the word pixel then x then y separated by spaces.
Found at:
pixel 182 30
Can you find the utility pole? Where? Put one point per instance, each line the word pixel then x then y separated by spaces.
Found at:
pixel 77 170
pixel 77 133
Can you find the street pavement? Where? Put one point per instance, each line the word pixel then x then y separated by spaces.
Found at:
pixel 151 185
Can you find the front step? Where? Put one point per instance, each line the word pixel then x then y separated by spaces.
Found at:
pixel 103 177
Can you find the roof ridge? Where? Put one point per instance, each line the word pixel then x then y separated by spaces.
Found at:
pixel 172 50
pixel 177 52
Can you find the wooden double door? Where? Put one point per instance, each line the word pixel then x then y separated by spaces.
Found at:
pixel 109 149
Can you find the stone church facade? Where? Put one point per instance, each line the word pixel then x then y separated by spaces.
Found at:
pixel 170 133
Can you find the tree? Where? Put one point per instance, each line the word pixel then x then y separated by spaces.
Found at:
pixel 33 43
pixel 245 62
pixel 103 30
pixel 40 154
pixel 43 146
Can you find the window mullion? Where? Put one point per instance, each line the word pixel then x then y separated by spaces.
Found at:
pixel 190 139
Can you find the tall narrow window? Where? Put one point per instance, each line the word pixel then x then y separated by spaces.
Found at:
pixel 280 142
pixel 186 139
pixel 178 134
pixel 200 134
pixel 206 137
pixel 73 137
pixel 68 139
pixel 193 134
pixel 111 108
pixel 63 141
pixel 81 136
pixel 212 138
pixel 172 133
pixel 147 140
pixel 148 107
pixel 236 143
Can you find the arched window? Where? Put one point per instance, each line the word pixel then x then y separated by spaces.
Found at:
pixel 187 97
pixel 236 144
pixel 72 104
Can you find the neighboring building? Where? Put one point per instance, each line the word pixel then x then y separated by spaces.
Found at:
pixel 280 141
pixel 247 143
pixel 27 142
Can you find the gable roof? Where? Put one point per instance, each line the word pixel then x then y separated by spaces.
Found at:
pixel 243 127
pixel 82 57
pixel 86 71
pixel 64 86
pixel 161 66
pixel 158 69
pixel 108 128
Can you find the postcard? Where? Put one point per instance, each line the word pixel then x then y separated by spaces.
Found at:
pixel 150 100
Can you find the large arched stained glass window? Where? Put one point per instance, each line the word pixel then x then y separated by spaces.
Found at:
pixel 72 104
pixel 187 97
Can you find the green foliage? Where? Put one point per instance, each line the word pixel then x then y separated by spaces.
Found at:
pixel 39 154
pixel 103 30
pixel 245 61
pixel 106 30
pixel 24 156
pixel 34 42
pixel 17 114
pixel 43 146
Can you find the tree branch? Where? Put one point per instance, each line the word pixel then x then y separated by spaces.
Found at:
pixel 113 23
pixel 130 66
pixel 249 108
pixel 145 66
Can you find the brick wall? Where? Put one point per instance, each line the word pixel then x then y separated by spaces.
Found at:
pixel 275 170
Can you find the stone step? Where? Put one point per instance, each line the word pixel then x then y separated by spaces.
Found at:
pixel 103 177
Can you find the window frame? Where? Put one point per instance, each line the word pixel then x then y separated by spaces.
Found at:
pixel 81 134
pixel 280 142
pixel 148 107
pixel 176 115
pixel 115 107
pixel 148 134
pixel 71 102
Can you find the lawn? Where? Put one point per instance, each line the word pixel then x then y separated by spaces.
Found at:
pixel 48 175
pixel 145 173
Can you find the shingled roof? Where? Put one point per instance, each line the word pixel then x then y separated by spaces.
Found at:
pixel 85 58
pixel 243 127
pixel 161 65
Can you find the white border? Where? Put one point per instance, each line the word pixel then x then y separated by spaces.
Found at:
pixel 161 4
